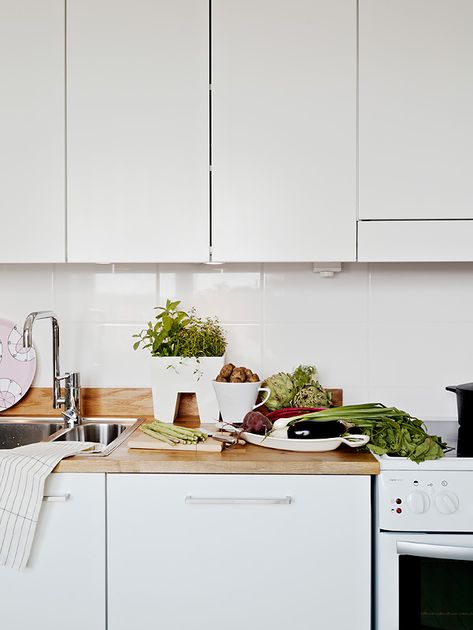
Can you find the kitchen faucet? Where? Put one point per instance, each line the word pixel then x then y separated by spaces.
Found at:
pixel 71 399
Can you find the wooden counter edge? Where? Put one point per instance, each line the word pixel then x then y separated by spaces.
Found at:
pixel 74 465
pixel 248 460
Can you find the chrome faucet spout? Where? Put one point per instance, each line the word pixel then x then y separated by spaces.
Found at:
pixel 28 342
pixel 71 399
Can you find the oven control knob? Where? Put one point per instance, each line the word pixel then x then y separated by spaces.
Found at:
pixel 418 502
pixel 447 502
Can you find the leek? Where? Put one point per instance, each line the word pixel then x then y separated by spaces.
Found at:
pixel 391 430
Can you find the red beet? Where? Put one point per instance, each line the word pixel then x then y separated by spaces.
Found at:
pixel 256 422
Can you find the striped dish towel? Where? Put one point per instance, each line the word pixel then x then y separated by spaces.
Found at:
pixel 23 472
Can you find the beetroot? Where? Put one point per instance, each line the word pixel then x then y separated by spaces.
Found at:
pixel 256 422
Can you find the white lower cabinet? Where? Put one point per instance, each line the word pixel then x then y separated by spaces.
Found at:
pixel 238 551
pixel 63 586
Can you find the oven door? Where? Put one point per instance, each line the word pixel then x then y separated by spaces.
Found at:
pixel 424 581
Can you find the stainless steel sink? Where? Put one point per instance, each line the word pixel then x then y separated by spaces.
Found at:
pixel 106 433
pixel 100 433
pixel 15 433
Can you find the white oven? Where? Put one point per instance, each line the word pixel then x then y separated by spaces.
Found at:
pixel 424 581
pixel 424 545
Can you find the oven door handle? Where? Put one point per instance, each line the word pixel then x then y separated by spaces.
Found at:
pixel 441 552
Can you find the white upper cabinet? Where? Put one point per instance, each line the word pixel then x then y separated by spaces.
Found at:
pixel 283 130
pixel 137 123
pixel 415 110
pixel 32 144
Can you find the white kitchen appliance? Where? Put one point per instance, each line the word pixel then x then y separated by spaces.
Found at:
pixel 424 541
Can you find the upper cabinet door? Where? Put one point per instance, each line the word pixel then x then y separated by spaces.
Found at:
pixel 283 130
pixel 416 104
pixel 32 145
pixel 137 121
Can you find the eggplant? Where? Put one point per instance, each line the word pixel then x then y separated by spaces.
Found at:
pixel 314 430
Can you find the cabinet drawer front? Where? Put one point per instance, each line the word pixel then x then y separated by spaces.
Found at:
pixel 415 241
pixel 239 547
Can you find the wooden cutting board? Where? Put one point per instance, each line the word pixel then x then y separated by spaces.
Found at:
pixel 143 441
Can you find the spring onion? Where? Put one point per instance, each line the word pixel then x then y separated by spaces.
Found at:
pixel 391 430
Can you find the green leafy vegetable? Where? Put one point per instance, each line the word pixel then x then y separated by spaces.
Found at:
pixel 282 390
pixel 391 430
pixel 312 396
pixel 304 375
pixel 299 389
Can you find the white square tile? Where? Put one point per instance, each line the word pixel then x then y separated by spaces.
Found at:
pixel 25 288
pixel 294 293
pixel 104 356
pixel 105 293
pixel 355 395
pixel 407 354
pixel 230 292
pixel 426 403
pixel 427 292
pixel 339 351
pixel 244 346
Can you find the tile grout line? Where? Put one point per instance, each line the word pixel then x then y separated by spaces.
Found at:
pixel 262 315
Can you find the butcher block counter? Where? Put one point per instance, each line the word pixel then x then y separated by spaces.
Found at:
pixel 246 459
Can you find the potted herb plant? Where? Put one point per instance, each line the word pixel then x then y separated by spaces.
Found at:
pixel 187 352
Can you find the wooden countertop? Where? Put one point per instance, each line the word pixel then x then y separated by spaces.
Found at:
pixel 246 459
pixel 137 402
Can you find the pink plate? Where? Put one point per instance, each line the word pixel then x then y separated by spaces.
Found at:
pixel 17 365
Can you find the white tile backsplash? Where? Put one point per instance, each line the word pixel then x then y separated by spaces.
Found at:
pixel 425 292
pixel 104 356
pixel 396 333
pixel 105 293
pixel 295 294
pixel 339 351
pixel 231 292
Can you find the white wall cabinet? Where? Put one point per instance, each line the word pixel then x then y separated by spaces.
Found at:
pixel 213 551
pixel 132 123
pixel 32 137
pixel 284 130
pixel 63 585
pixel 137 125
pixel 415 130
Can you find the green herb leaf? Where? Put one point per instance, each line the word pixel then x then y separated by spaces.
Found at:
pixel 178 333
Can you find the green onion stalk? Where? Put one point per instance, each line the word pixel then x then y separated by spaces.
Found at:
pixel 391 430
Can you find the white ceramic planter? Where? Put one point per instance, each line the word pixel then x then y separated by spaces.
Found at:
pixel 171 376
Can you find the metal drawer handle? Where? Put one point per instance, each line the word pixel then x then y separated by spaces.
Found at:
pixel 238 501
pixel 57 499
pixel 442 552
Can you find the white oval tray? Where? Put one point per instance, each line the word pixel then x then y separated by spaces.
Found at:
pixel 307 446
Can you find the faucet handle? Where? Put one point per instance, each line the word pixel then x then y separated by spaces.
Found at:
pixel 72 399
pixel 71 379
